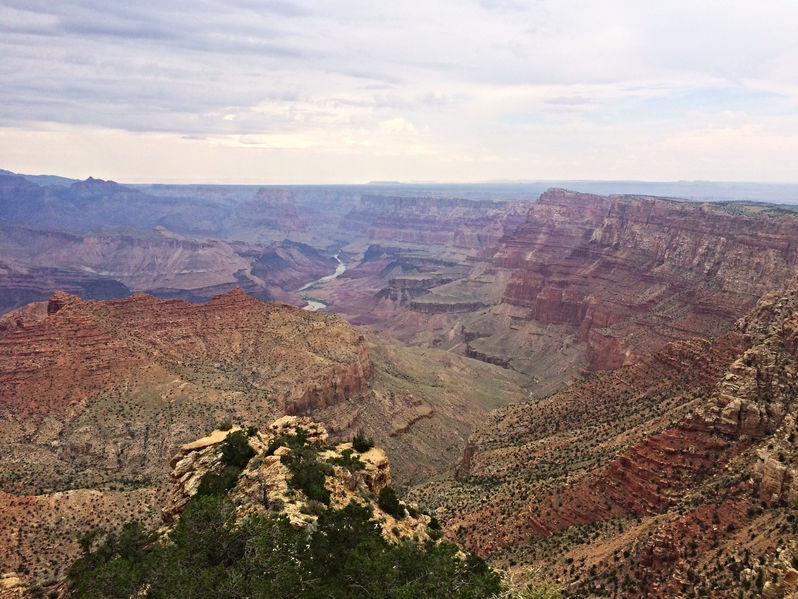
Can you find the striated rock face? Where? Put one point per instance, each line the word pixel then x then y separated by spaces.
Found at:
pixel 97 391
pixel 686 453
pixel 434 221
pixel 273 208
pixel 13 587
pixel 264 485
pixel 759 389
pixel 84 346
pixel 111 264
pixel 20 285
pixel 633 273
pixel 433 307
pixel 777 481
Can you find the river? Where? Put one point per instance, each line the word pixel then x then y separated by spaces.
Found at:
pixel 314 304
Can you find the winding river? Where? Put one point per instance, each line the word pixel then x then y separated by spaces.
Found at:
pixel 314 304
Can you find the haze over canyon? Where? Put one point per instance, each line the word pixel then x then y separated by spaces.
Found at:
pixel 596 388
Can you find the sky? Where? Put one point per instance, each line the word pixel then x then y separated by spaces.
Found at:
pixel 249 91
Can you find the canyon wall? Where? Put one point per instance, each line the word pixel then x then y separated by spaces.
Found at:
pixel 434 221
pixel 690 451
pixel 632 273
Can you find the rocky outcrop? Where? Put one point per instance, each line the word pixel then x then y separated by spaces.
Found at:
pixel 777 481
pixel 780 574
pixel 264 485
pixel 438 307
pixel 758 391
pixel 335 384
pixel 13 587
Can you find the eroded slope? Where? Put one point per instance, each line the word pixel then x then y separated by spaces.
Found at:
pixel 647 478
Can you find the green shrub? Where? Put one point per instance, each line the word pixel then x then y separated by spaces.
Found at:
pixel 219 484
pixel 274 444
pixel 389 503
pixel 236 450
pixel 361 442
pixel 313 508
pixel 308 474
pixel 310 478
pixel 209 553
pixel 225 425
pixel 347 461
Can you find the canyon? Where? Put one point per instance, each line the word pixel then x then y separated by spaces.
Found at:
pixel 680 462
pixel 95 394
pixel 600 387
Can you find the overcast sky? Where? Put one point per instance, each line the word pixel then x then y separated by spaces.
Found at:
pixel 350 91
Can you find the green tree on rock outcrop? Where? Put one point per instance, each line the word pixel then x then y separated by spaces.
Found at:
pixel 209 553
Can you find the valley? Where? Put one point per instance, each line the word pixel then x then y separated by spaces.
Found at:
pixel 598 388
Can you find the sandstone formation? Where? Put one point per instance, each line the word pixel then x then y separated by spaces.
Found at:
pixel 618 482
pixel 79 345
pixel 434 221
pixel 274 209
pixel 632 274
pixel 264 485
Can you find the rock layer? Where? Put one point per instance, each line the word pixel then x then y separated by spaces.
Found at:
pixel 691 450
pixel 633 273
pixel 472 224
pixel 84 346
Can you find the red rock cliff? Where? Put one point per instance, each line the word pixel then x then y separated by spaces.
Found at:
pixel 635 273
pixel 83 347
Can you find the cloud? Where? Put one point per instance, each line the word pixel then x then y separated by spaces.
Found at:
pixel 525 88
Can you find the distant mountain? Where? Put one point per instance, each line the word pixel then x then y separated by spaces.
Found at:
pixel 44 180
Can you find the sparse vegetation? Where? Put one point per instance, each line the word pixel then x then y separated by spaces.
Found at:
pixel 346 460
pixel 236 450
pixel 236 453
